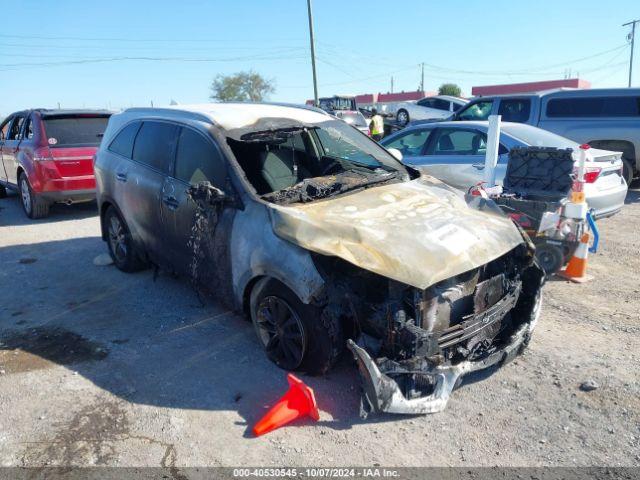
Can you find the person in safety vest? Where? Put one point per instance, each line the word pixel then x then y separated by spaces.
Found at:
pixel 376 127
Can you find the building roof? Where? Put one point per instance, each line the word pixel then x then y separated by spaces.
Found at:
pixel 529 87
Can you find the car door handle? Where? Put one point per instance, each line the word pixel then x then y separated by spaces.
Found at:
pixel 479 166
pixel 170 202
pixel 121 177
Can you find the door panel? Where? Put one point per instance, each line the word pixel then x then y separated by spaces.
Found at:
pixel 197 160
pixel 10 149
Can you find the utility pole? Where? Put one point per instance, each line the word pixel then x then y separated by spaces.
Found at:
pixel 632 36
pixel 313 55
pixel 422 78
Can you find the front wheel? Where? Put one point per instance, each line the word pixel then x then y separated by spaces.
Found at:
pixel 34 206
pixel 294 335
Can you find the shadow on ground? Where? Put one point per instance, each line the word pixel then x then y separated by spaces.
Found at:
pixel 58 212
pixel 147 341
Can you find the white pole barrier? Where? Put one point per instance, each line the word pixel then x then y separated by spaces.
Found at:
pixel 491 158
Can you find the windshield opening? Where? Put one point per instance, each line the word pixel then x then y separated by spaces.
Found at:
pixel 301 164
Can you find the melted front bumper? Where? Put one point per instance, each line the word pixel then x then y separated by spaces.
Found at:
pixel 382 394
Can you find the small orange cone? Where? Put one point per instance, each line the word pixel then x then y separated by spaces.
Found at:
pixel 576 270
pixel 298 402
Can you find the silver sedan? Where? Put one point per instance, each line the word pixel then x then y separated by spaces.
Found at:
pixel 454 152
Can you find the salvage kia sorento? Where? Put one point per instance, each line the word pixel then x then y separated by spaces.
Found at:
pixel 325 240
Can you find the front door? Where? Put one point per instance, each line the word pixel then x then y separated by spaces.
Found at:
pixel 10 149
pixel 196 236
pixel 4 131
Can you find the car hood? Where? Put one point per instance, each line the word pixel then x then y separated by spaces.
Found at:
pixel 418 232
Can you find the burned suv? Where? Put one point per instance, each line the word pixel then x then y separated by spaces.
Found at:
pixel 324 239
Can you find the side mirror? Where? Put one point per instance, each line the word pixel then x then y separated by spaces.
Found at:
pixel 395 153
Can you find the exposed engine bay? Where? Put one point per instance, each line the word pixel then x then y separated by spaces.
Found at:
pixel 413 347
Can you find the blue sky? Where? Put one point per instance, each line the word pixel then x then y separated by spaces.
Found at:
pixel 360 45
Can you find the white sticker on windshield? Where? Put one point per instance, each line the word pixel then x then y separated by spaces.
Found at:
pixel 53 141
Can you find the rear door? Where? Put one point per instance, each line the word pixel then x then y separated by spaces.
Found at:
pixel 140 183
pixel 516 110
pixel 198 159
pixel 10 148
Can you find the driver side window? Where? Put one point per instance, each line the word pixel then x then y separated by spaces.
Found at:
pixel 476 111
pixel 412 143
pixel 4 130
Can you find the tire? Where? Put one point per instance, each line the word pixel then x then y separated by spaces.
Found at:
pixel 313 340
pixel 402 117
pixel 550 258
pixel 120 243
pixel 627 171
pixel 3 191
pixel 34 206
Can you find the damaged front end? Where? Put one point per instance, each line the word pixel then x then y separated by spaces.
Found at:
pixel 414 350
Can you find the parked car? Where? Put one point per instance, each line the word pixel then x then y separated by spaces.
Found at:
pixel 354 118
pixel 430 108
pixel 604 118
pixel 47 156
pixel 454 152
pixel 320 235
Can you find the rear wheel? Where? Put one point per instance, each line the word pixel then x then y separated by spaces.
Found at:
pixel 294 335
pixel 120 243
pixel 627 171
pixel 402 117
pixel 32 204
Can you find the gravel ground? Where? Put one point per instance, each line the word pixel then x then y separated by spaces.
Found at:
pixel 98 367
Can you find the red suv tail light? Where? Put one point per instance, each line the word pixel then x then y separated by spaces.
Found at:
pixel 41 154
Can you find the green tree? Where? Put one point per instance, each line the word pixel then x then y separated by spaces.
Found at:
pixel 241 87
pixel 450 89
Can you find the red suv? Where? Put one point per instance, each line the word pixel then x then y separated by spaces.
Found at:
pixel 47 156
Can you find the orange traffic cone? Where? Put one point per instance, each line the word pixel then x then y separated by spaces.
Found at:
pixel 576 270
pixel 298 402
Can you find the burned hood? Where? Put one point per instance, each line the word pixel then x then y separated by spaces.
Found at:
pixel 418 232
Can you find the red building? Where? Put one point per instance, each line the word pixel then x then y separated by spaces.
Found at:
pixel 529 87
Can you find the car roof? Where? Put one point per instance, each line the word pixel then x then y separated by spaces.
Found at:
pixel 450 97
pixel 47 112
pixel 586 92
pixel 230 115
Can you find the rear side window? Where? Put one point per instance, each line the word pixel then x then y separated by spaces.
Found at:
pixel 70 131
pixel 123 143
pixel 198 160
pixel 594 107
pixel 515 110
pixel 155 145
pixel 460 142
pixel 440 104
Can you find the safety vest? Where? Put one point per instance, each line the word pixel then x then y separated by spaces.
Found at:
pixel 377 125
